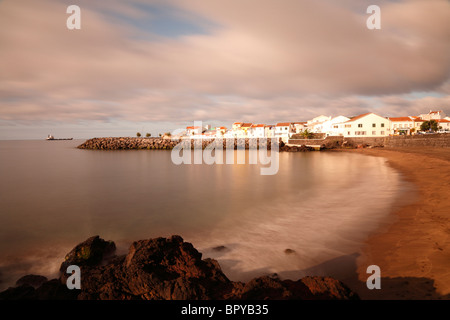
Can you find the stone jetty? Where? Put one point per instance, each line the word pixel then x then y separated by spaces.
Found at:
pixel 131 143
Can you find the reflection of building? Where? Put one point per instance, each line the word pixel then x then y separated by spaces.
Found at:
pixel 366 125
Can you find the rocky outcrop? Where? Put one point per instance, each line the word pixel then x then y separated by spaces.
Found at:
pixel 166 269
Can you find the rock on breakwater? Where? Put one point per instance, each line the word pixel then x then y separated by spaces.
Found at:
pixel 167 269
pixel 124 143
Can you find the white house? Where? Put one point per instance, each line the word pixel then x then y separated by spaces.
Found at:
pixel 332 127
pixel 299 126
pixel 443 125
pixel 283 130
pixel 269 131
pixel 318 119
pixel 366 125
pixel 404 125
pixel 256 131
pixel 194 130
pixel 433 115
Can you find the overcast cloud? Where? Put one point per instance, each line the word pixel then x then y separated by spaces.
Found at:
pixel 177 61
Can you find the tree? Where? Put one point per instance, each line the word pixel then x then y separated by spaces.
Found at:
pixel 429 125
pixel 148 135
pixel 306 134
pixel 138 134
pixel 168 134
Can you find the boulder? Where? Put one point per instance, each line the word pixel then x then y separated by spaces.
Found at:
pixel 164 269
pixel 32 280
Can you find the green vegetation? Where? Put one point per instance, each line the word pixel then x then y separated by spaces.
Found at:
pixel 306 134
pixel 138 134
pixel 429 125
pixel 148 135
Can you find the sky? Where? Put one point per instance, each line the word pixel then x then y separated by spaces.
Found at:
pixel 159 65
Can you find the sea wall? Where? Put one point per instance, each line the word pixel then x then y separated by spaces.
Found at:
pixel 441 140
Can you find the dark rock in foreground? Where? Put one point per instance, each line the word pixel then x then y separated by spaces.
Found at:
pixel 165 269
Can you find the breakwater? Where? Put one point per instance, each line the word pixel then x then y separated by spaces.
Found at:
pixel 132 143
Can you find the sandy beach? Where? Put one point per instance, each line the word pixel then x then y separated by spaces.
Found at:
pixel 413 252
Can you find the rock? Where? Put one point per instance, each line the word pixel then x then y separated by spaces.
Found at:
pixel 165 269
pixel 23 292
pixel 32 280
pixel 88 253
pixel 220 248
pixel 328 288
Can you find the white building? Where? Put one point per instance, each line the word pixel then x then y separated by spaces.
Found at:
pixel 194 130
pixel 269 131
pixel 366 125
pixel 443 125
pixel 433 115
pixel 299 127
pixel 332 127
pixel 256 131
pixel 283 130
pixel 404 125
pixel 318 119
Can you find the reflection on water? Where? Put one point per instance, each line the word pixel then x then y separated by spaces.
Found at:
pixel 320 205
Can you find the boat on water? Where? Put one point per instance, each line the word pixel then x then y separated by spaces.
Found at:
pixel 50 137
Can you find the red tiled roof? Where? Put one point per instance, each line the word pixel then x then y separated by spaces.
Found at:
pixel 359 117
pixel 247 125
pixel 257 126
pixel 192 127
pixel 400 119
pixel 283 124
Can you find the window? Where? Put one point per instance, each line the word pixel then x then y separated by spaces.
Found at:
pixel 395 125
pixel 374 125
pixel 382 125
pixel 348 133
pixel 374 133
pixel 348 125
pixel 382 133
pixel 359 125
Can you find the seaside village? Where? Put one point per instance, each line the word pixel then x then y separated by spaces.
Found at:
pixel 364 125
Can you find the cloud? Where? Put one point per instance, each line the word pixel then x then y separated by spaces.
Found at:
pixel 263 60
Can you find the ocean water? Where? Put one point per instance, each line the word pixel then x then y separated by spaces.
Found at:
pixel 321 205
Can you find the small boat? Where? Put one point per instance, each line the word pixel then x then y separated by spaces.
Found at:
pixel 50 137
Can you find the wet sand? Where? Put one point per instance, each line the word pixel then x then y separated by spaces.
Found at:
pixel 413 252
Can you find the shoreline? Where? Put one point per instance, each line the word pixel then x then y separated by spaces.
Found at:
pixel 413 252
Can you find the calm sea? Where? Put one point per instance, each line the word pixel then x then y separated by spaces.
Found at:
pixel 321 205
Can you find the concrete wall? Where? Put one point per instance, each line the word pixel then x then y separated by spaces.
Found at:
pixel 419 140
pixel 422 140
